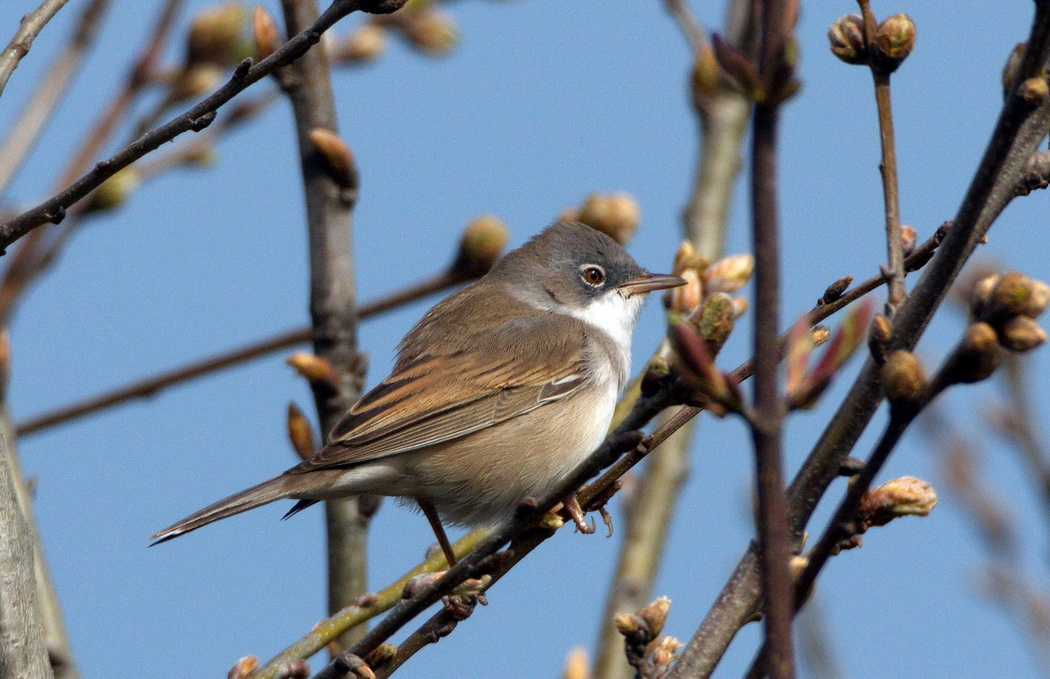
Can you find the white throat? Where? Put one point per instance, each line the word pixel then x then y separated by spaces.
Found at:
pixel 615 315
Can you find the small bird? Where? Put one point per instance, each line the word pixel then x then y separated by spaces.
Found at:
pixel 497 394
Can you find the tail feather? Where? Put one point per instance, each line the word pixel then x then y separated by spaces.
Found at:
pixel 256 496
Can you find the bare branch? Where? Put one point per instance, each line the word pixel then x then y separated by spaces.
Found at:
pixel 196 118
pixel 31 26
pixel 50 90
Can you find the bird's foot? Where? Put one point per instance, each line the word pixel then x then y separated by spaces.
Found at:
pixel 575 512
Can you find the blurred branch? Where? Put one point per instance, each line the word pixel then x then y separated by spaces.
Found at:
pixel 51 87
pixel 1020 128
pixel 722 115
pixel 1006 582
pixel 196 118
pixel 32 24
pixel 150 386
pixel 1018 421
pixel 37 252
pixel 330 199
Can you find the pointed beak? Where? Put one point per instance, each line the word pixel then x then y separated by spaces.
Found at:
pixel 648 282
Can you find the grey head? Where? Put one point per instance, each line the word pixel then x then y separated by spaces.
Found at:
pixel 568 266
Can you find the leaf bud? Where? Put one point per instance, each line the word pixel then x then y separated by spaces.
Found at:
pixel 265 34
pixel 977 356
pixel 846 36
pixel 114 191
pixel 432 32
pixel 337 155
pixel 906 496
pixel 577 665
pixel 729 274
pixel 1034 91
pixel 909 239
pixel 215 35
pixel 314 369
pixel 243 667
pixel 1021 334
pixel 685 298
pixel 366 43
pixel 655 614
pixel 981 293
pixel 687 258
pixel 481 245
pixel 300 432
pixel 903 379
pixel 1010 296
pixel 1012 68
pixel 894 41
pixel 614 214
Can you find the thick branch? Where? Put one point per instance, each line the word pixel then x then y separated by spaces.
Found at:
pixel 333 303
pixel 23 653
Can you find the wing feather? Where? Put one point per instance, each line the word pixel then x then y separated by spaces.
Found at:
pixel 436 398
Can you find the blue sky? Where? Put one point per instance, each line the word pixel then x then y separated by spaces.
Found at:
pixel 541 103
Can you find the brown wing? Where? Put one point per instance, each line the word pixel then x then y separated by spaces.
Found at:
pixel 432 399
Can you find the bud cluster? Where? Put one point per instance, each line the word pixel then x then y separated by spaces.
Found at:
pixel 892 42
pixel 426 28
pixel 648 652
pixel 1009 304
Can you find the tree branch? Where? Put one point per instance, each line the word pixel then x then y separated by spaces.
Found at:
pixel 1018 132
pixel 31 26
pixel 51 88
pixel 196 118
pixel 151 386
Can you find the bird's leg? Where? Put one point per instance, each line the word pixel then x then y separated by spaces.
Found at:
pixel 439 531
pixel 572 506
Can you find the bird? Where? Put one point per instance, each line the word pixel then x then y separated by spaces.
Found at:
pixel 498 393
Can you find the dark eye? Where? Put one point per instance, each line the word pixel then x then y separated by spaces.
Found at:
pixel 592 274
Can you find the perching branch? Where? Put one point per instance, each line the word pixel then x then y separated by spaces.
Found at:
pixel 196 118
pixel 32 24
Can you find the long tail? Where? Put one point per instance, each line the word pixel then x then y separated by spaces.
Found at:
pixel 256 496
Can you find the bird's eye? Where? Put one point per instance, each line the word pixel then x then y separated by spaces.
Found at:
pixel 592 274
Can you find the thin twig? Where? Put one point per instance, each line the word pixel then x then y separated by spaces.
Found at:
pixel 30 27
pixel 196 118
pixel 150 386
pixel 36 253
pixel 888 166
pixel 51 88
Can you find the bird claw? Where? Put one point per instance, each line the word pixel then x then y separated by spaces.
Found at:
pixel 607 520
pixel 575 512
